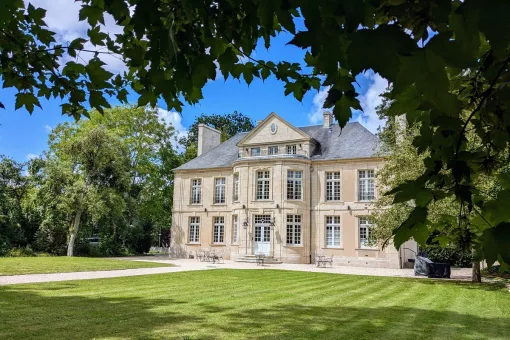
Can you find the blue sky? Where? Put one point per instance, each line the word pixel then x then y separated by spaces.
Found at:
pixel 23 135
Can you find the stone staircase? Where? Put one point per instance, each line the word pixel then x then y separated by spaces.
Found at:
pixel 253 259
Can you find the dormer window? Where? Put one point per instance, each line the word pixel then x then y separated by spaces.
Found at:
pixel 291 149
pixel 255 152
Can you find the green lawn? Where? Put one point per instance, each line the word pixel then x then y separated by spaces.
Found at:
pixel 254 304
pixel 41 265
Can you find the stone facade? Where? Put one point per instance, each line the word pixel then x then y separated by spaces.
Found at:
pixel 279 198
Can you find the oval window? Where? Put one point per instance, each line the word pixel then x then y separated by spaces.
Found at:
pixel 274 127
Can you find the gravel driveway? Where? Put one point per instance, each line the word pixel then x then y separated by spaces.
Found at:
pixel 189 265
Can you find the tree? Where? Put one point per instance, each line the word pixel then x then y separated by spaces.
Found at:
pixel 87 172
pixel 229 124
pixel 19 220
pixel 152 158
pixel 447 61
pixel 404 165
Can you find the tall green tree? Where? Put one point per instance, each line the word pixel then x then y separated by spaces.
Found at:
pixel 13 189
pixel 229 124
pixel 87 173
pixel 447 60
pixel 152 157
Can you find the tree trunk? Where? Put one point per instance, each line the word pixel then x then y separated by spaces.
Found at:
pixel 74 232
pixel 476 274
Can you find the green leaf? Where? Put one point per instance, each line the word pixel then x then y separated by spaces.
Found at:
pixel 96 36
pixel 286 20
pixel 428 72
pixel 27 99
pixel 496 243
pixel 227 61
pixel 146 98
pixel 496 210
pixel 413 227
pixel 76 44
pixel 297 88
pixel 248 75
pixel 423 197
pixel 36 14
pixel 93 15
pixel 504 179
pixel 203 68
pixel 380 50
pixel 303 39
pixel 98 101
pixel 342 110
pixel 97 74
pixel 73 69
pixel 265 72
pixel 442 240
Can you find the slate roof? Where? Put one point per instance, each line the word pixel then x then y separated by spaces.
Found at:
pixel 353 141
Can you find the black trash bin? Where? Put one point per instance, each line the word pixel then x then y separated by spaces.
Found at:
pixel 438 270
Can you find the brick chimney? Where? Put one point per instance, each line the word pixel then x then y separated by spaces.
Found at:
pixel 208 138
pixel 328 119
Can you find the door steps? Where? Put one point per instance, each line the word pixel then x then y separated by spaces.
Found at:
pixel 253 259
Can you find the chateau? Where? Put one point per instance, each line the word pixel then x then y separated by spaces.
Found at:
pixel 287 192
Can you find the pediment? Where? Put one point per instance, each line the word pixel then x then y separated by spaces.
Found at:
pixel 274 130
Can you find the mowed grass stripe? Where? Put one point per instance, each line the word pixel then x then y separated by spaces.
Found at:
pixel 62 264
pixel 252 304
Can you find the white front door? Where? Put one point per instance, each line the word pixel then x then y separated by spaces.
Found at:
pixel 262 235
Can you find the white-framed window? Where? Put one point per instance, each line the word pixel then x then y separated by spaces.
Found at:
pixel 294 230
pixel 272 150
pixel 219 190
pixel 294 184
pixel 235 229
pixel 333 186
pixel 365 232
pixel 194 229
pixel 196 191
pixel 333 231
pixel 219 229
pixel 291 149
pixel 262 185
pixel 366 185
pixel 255 152
pixel 235 192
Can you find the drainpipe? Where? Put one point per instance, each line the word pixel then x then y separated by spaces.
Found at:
pixel 311 218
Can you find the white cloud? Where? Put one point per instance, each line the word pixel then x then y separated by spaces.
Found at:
pixel 48 128
pixel 174 119
pixel 316 115
pixel 62 17
pixel 32 156
pixel 370 100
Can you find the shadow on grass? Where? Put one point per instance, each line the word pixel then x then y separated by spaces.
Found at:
pixel 25 314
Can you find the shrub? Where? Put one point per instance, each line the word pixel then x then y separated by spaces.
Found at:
pixel 452 255
pixel 110 246
pixel 22 252
pixel 139 238
pixel 5 246
pixel 52 242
